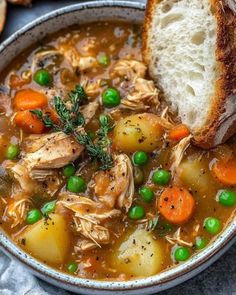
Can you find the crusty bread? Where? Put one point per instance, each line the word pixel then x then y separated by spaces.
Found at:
pixel 3 7
pixel 190 49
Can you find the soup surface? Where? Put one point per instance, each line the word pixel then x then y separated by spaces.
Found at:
pixel 98 178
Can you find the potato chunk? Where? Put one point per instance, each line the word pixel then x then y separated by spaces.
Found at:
pixel 140 254
pixel 195 174
pixel 47 240
pixel 138 132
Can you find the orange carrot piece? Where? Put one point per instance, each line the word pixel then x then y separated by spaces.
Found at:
pixel 28 99
pixel 179 132
pixel 52 114
pixel 176 205
pixel 225 172
pixel 29 122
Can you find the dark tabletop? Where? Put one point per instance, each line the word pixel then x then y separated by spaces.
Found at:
pixel 220 278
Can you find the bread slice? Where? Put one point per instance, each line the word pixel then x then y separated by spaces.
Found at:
pixel 190 49
pixel 3 8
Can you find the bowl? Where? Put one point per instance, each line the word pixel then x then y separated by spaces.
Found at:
pixel 33 32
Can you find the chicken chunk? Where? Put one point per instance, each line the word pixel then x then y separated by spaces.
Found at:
pixel 129 69
pixel 54 150
pixel 75 60
pixel 142 95
pixel 19 172
pixel 16 209
pixel 116 186
pixel 92 88
pixel 89 218
pixel 33 181
pixel 42 58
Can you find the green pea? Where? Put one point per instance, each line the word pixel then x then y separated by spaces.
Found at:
pixel 72 267
pixel 181 254
pixel 12 151
pixel 200 243
pixel 104 60
pixel 76 184
pixel 136 212
pixel 69 170
pixel 33 216
pixel 48 207
pixel 146 193
pixel 227 198
pixel 111 97
pixel 43 77
pixel 140 158
pixel 161 177
pixel 138 176
pixel 212 225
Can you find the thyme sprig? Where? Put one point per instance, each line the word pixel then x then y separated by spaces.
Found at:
pixel 71 118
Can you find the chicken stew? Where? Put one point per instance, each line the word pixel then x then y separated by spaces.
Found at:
pixel 98 177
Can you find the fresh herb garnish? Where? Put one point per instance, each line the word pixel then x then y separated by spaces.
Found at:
pixel 70 121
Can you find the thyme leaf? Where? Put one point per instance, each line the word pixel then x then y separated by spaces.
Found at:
pixel 71 119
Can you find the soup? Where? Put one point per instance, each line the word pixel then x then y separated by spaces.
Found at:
pixel 99 179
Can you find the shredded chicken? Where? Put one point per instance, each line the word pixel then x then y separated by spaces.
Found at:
pixel 56 150
pixel 176 238
pixel 84 245
pixel 89 217
pixel 17 209
pixel 75 60
pixel 19 172
pixel 30 181
pixel 129 69
pixel 142 95
pixel 91 88
pixel 52 92
pixel 178 152
pixel 89 110
pixel 42 56
pixel 116 186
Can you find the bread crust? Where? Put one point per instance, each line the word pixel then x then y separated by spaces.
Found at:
pixel 221 123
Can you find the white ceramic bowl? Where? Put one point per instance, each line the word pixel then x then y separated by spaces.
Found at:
pixel 83 13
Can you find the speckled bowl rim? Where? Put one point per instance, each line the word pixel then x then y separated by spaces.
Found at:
pixel 165 279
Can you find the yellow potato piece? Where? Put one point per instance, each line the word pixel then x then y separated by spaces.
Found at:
pixel 47 240
pixel 138 132
pixel 195 174
pixel 140 254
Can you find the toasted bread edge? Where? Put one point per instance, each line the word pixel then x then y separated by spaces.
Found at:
pixel 221 122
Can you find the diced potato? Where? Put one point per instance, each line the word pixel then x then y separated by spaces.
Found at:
pixel 139 254
pixel 138 132
pixel 195 174
pixel 47 240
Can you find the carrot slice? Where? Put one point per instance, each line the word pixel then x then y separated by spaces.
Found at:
pixel 225 172
pixel 52 114
pixel 179 132
pixel 28 99
pixel 176 205
pixel 29 122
